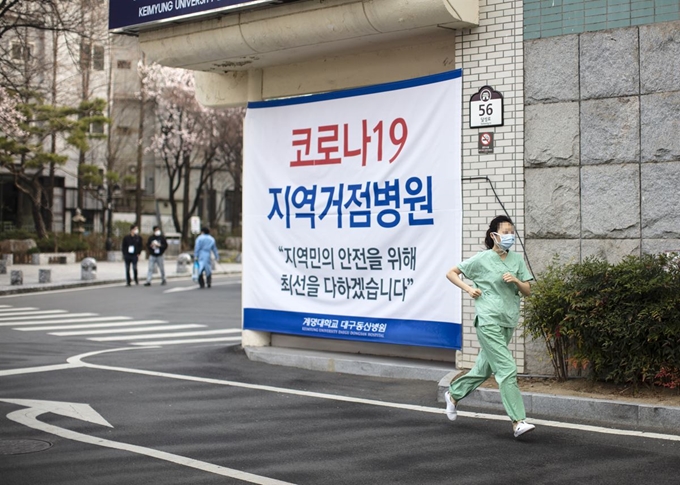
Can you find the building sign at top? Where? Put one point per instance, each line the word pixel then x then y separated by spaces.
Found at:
pixel 134 15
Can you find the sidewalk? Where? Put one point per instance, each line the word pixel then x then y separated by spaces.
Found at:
pixel 662 419
pixel 69 275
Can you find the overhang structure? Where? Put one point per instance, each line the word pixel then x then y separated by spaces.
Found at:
pixel 311 46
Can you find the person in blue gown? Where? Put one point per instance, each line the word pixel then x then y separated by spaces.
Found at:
pixel 205 245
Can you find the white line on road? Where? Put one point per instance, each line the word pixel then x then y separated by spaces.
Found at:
pixel 29 417
pixel 67 320
pixel 196 287
pixel 78 359
pixel 10 316
pixel 127 330
pixel 165 335
pixel 7 308
pixel 93 325
pixel 43 368
pixel 51 317
pixel 190 341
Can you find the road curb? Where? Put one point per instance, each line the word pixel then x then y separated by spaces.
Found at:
pixel 665 419
pixel 19 290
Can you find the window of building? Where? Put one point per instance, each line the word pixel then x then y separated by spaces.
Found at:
pixel 21 51
pixel 124 130
pixel 97 127
pixel 122 64
pixel 91 56
pixel 98 58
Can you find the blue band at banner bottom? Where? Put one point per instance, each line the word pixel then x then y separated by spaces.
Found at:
pixel 421 333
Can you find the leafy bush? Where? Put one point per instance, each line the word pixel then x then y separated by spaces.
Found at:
pixel 621 321
pixel 17 234
pixel 63 243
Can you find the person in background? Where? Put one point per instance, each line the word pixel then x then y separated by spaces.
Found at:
pixel 499 277
pixel 156 246
pixel 204 246
pixel 132 248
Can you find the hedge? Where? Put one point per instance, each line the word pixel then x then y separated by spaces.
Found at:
pixel 620 322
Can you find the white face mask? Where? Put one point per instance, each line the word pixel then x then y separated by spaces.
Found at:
pixel 135 232
pixel 157 233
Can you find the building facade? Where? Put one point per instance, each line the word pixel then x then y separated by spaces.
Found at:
pixel 587 157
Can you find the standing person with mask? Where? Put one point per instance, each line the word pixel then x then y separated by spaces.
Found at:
pixel 156 246
pixel 499 277
pixel 204 246
pixel 132 248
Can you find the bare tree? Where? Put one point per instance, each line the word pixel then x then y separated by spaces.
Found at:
pixel 196 145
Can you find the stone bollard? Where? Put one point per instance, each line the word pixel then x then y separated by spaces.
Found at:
pixel 184 261
pixel 3 266
pixel 17 277
pixel 88 269
pixel 44 276
pixel 8 258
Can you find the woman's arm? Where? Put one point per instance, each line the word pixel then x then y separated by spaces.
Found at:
pixel 523 286
pixel 454 277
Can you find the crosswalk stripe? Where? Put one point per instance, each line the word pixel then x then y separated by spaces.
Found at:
pixel 93 325
pixel 189 341
pixel 9 316
pixel 70 315
pixel 109 322
pixel 127 330
pixel 7 308
pixel 165 335
pixel 68 320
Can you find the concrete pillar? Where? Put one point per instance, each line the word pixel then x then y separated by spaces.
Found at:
pixel 252 338
pixel 16 277
pixel 44 276
pixel 3 266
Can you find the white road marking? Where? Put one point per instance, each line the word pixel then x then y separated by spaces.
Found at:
pixel 11 315
pixel 92 325
pixel 42 368
pixel 29 417
pixel 67 320
pixel 78 359
pixel 190 341
pixel 165 335
pixel 5 306
pixel 196 287
pixel 70 290
pixel 126 330
pixel 8 308
pixel 51 319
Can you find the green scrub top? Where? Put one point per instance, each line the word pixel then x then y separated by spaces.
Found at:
pixel 499 301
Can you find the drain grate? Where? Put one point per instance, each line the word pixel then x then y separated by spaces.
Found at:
pixel 20 447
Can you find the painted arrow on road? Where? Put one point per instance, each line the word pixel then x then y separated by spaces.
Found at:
pixel 34 408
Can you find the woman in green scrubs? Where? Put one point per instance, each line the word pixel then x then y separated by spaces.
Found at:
pixel 499 277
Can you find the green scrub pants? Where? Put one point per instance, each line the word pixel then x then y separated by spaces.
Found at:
pixel 495 357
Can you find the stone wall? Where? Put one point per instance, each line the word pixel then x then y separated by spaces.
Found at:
pixel 602 144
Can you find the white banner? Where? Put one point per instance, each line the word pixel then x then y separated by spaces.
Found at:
pixel 352 213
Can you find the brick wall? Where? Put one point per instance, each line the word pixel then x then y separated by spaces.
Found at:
pixel 548 18
pixel 492 54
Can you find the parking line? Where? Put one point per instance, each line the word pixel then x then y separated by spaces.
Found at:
pixel 166 335
pixel 126 330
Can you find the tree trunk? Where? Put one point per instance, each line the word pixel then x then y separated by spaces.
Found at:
pixel 36 199
pixel 185 204
pixel 140 152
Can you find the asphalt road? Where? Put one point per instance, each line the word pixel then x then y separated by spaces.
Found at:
pixel 201 413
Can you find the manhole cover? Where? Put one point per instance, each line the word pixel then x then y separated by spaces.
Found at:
pixel 19 447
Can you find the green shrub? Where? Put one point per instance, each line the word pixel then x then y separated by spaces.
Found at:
pixel 17 234
pixel 63 243
pixel 622 320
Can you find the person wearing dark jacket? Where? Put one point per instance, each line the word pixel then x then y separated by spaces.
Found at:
pixel 132 248
pixel 156 246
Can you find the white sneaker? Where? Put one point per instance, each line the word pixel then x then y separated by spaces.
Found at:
pixel 451 412
pixel 522 427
